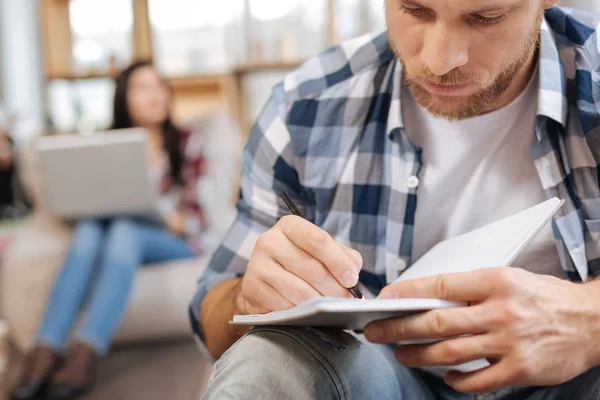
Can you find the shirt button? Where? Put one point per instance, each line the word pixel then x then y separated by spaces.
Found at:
pixel 413 182
pixel 400 264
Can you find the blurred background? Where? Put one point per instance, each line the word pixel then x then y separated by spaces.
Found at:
pixel 58 60
pixel 58 56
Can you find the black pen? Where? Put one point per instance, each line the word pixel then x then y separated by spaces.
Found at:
pixel 294 210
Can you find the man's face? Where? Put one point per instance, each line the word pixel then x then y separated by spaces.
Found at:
pixel 461 56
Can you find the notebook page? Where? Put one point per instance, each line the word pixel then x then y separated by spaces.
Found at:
pixel 494 245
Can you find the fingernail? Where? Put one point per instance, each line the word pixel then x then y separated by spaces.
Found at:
pixel 350 279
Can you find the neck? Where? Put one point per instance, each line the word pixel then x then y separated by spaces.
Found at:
pixel 154 130
pixel 518 84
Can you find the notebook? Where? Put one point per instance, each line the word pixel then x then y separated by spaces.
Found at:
pixel 494 245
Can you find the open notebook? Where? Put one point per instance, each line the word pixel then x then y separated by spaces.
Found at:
pixel 494 245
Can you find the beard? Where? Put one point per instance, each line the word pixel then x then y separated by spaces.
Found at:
pixel 462 107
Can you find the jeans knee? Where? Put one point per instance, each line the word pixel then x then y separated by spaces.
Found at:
pixel 122 228
pixel 273 364
pixel 87 235
pixel 121 242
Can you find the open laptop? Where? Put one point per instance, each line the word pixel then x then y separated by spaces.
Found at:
pixel 102 175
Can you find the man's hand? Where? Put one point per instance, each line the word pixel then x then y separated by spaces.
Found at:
pixel 534 329
pixel 294 262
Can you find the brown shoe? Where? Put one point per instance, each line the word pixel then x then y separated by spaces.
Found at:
pixel 74 378
pixel 41 364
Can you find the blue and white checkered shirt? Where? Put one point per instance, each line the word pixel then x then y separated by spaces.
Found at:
pixel 332 136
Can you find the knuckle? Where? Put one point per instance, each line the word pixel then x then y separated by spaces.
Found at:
pixel 287 220
pixel 441 287
pixel 450 352
pixel 398 329
pixel 507 278
pixel 318 239
pixel 267 241
pixel 510 313
pixel 438 324
pixel 523 370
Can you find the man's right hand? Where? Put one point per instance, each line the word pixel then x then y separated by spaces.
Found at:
pixel 294 262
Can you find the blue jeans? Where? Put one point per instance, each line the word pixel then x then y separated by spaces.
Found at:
pixel 272 363
pixel 99 271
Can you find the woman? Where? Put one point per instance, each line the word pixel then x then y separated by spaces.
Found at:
pixel 107 253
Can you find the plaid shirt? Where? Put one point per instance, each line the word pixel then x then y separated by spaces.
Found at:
pixel 332 136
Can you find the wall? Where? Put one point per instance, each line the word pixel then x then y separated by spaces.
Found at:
pixel 21 67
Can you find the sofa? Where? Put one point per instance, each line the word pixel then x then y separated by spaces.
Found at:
pixel 159 305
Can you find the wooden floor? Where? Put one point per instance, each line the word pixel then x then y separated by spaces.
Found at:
pixel 156 371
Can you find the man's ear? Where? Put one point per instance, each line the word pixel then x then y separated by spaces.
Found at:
pixel 549 3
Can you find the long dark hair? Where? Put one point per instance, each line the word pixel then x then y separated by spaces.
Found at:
pixel 122 120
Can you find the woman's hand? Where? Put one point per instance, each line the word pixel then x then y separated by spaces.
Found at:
pixel 176 223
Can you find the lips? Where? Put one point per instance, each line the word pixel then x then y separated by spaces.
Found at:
pixel 445 90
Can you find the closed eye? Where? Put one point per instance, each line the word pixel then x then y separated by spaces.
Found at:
pixel 487 20
pixel 414 11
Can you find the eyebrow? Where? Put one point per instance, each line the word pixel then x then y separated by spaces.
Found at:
pixel 476 10
pixel 494 7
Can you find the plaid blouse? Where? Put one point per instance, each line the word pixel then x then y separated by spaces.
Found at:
pixel 185 197
pixel 332 136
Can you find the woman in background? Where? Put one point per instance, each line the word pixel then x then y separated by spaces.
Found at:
pixel 104 256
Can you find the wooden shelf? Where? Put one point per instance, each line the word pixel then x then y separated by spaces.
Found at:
pixel 189 80
pixel 198 82
pixel 76 77
pixel 177 82
pixel 258 67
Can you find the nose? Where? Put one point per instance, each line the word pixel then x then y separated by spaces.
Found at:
pixel 444 49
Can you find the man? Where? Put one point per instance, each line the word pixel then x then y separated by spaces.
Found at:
pixel 465 112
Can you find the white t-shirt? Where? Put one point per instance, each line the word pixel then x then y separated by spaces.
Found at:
pixel 477 171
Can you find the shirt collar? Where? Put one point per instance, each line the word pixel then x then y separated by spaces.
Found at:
pixel 552 95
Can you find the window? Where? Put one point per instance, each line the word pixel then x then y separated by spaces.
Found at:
pixel 102 31
pixel 83 105
pixel 377 15
pixel 590 5
pixel 358 17
pixel 286 31
pixel 195 37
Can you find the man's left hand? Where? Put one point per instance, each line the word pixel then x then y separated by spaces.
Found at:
pixel 534 329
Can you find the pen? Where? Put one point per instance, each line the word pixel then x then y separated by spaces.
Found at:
pixel 294 210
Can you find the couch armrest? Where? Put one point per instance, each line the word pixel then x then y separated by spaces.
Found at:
pixel 29 267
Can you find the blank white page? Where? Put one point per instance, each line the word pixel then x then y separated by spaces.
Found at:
pixel 494 245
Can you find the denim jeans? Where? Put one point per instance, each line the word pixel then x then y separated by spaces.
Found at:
pixel 272 363
pixel 99 272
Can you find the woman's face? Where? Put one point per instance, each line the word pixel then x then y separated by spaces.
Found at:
pixel 148 98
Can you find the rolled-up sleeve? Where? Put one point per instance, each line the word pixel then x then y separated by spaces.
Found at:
pixel 267 171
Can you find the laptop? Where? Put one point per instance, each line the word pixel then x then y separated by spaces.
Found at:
pixel 99 176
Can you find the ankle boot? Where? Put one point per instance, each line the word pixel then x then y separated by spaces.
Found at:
pixel 41 364
pixel 74 378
